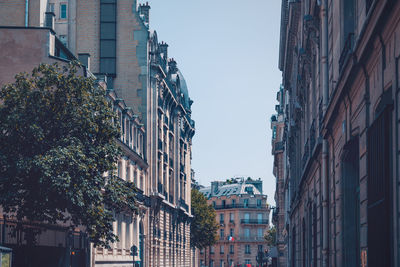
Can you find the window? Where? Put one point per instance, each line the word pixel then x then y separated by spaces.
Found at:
pixel 63 11
pixel 260 232
pixel 223 203
pixel 258 202
pixel 212 263
pixel 202 251
pixel 247 249
pixel 221 249
pixel 127 233
pixel 259 218
pixel 247 232
pixel 245 203
pixel 221 218
pixel 246 217
pixel 231 217
pixel 247 261
pixel 108 37
pixel 119 169
pixel 260 247
pixel 128 173
pixel 213 203
pixel 221 234
pixel 232 249
pixel 50 8
pixel 231 232
pixel 212 250
pixel 221 263
pixel 233 203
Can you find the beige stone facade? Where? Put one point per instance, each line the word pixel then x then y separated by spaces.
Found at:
pixel 144 90
pixel 243 215
pixel 341 77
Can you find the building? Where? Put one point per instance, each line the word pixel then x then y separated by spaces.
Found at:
pixel 243 215
pixel 22 49
pixel 57 241
pixel 131 167
pixel 149 85
pixel 170 142
pixel 278 151
pixel 339 61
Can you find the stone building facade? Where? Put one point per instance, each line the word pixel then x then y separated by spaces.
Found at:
pixel 340 108
pixel 243 215
pixel 278 151
pixel 146 87
pixel 21 50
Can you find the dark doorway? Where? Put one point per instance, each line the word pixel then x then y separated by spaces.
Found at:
pixel 379 184
pixel 351 203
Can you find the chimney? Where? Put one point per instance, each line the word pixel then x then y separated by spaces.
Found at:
pixel 172 65
pixel 84 58
pixel 164 50
pixel 49 20
pixel 144 9
pixel 214 188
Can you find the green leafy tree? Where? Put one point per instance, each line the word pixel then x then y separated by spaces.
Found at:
pixel 270 237
pixel 57 139
pixel 203 229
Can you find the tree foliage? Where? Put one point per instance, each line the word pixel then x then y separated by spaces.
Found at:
pixel 270 237
pixel 57 139
pixel 203 229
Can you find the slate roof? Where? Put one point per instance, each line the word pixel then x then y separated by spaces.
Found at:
pixel 231 189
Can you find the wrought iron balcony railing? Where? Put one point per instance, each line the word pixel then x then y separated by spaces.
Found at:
pixel 254 221
pixel 239 206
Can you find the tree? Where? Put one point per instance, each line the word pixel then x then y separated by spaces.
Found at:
pixel 203 229
pixel 57 140
pixel 270 236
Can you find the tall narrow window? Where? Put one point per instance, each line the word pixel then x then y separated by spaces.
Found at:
pixel 348 27
pixel 108 23
pixel 63 10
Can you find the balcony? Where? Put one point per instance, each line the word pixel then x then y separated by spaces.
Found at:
pixel 239 206
pixel 254 221
pixel 251 238
pixel 347 51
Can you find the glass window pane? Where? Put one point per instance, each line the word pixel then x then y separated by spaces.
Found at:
pixel 107 65
pixel 107 48
pixel 107 31
pixel 107 12
pixel 63 11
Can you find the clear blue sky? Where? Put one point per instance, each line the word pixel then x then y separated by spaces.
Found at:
pixel 228 52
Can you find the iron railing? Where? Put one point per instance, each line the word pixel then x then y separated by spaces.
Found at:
pixel 253 221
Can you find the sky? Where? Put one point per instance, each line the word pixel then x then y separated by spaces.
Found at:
pixel 228 53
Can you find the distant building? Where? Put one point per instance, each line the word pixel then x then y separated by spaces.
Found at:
pixel 278 151
pixel 243 216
